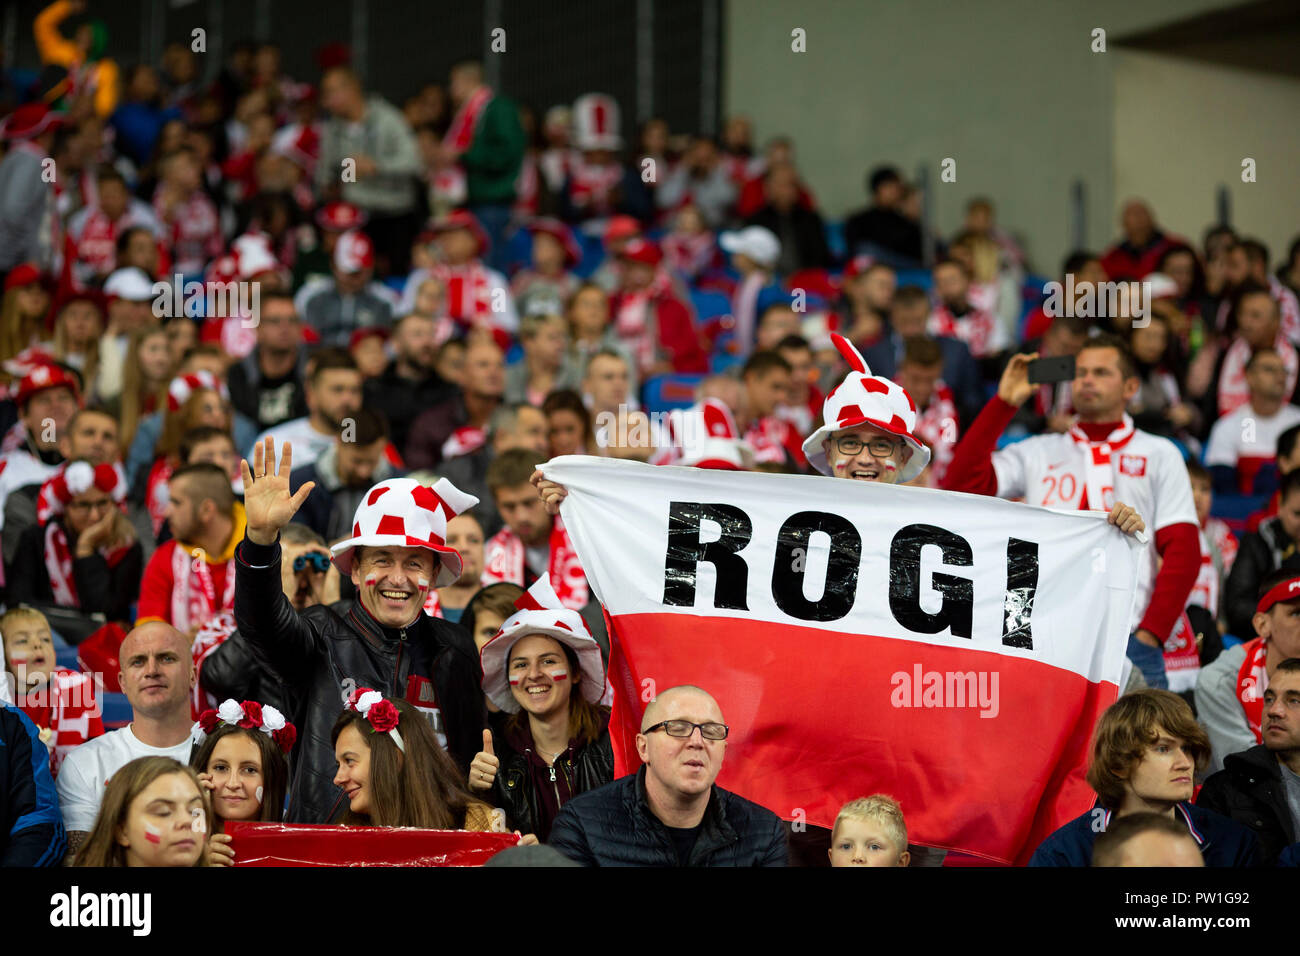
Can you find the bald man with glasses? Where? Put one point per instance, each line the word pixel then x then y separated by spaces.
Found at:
pixel 670 812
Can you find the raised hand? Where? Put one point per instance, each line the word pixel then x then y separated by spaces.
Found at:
pixel 483 771
pixel 1014 386
pixel 551 493
pixel 267 502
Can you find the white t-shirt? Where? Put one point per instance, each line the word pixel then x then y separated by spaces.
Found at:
pixel 87 768
pixel 1150 476
pixel 308 444
pixel 1241 434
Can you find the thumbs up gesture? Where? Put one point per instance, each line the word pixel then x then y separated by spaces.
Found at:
pixel 483 769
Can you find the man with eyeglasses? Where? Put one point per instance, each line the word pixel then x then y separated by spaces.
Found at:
pixel 670 812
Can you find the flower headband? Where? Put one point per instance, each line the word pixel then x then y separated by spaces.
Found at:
pixel 251 716
pixel 380 713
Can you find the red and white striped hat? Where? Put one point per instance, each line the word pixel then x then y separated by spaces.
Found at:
pixel 540 612
pixel 403 513
pixel 866 399
pixel 596 122
pixel 354 252
pixel 183 386
pixel 79 477
pixel 703 436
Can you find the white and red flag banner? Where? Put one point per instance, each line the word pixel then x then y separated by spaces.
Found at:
pixel 950 650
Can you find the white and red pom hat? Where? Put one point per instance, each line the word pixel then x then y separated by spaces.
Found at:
pixel 78 478
pixel 596 122
pixel 402 513
pixel 540 612
pixel 354 252
pixel 183 386
pixel 866 399
pixel 704 436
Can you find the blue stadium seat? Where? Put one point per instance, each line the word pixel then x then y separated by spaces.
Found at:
pixel 519 250
pixel 117 710
pixel 709 305
pixel 666 392
pixel 835 240
pixel 593 254
pixel 919 277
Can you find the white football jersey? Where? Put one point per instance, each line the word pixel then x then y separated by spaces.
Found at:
pixel 1149 476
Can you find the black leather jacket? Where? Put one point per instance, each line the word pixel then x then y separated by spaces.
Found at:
pixel 585 767
pixel 325 652
pixel 1249 789
pixel 613 826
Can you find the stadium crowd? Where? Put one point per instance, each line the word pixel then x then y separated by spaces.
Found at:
pixel 280 359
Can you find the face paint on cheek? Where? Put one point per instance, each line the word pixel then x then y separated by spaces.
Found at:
pixel 891 464
pixel 371 581
pixel 258 794
pixel 514 681
pixel 152 834
pixel 423 583
pixel 558 676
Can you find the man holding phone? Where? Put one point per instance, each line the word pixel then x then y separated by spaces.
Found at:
pixel 1102 460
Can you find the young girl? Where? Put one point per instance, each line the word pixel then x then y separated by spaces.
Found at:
pixel 393 773
pixel 154 813
pixel 242 761
pixel 22 311
pixel 568 424
pixel 545 669
pixel 77 331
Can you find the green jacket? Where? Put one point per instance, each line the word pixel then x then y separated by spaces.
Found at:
pixel 493 159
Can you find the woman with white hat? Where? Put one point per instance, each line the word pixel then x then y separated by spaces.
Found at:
pixel 545 669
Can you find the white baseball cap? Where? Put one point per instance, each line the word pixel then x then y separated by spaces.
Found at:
pixel 756 242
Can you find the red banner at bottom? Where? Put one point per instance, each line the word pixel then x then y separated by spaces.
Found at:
pixel 281 844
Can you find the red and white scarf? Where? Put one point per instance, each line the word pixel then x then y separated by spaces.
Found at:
pixel 937 426
pixel 194 595
pixel 1252 681
pixel 591 185
pixel 1182 657
pixel 1099 471
pixel 504 560
pixel 1233 391
pixel 690 255
pixel 460 134
pixel 635 324
pixel 58 562
pixel 976 328
pixel 210 636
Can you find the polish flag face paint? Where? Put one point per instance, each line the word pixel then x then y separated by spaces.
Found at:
pixel 371 581
pixel 514 681
pixel 558 676
pixel 152 834
pixel 891 464
pixel 424 584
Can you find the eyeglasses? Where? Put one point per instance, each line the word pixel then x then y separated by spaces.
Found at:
pixel 684 728
pixel 878 447
pixel 85 507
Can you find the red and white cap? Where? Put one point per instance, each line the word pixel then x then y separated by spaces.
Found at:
pixel 866 399
pixel 621 227
pixel 28 121
pixel 704 436
pixel 1286 591
pixel 642 250
pixel 596 122
pixel 539 611
pixel 183 386
pixel 354 252
pixel 562 234
pixel 340 217
pixel 253 255
pixel 462 219
pixel 403 513
pixel 77 478
pixel 44 377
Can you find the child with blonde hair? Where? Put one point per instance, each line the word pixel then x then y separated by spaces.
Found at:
pixel 870 831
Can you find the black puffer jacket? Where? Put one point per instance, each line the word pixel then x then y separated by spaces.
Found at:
pixel 585 767
pixel 325 652
pixel 613 826
pixel 1261 552
pixel 1249 789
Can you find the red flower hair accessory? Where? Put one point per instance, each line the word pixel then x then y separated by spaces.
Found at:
pixel 249 715
pixel 381 714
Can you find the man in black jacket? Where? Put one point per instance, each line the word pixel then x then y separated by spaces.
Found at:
pixel 1260 787
pixel 381 639
pixel 267 385
pixel 410 383
pixel 1271 548
pixel 670 813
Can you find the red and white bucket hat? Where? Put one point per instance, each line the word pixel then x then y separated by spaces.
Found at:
pixel 354 252
pixel 462 219
pixel 704 436
pixel 540 612
pixel 402 513
pixel 866 399
pixel 183 386
pixel 596 122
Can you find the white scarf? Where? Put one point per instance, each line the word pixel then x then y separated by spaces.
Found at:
pixel 1098 468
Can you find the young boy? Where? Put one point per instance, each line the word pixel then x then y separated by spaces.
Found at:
pixel 60 702
pixel 1218 545
pixel 870 831
pixel 1146 751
